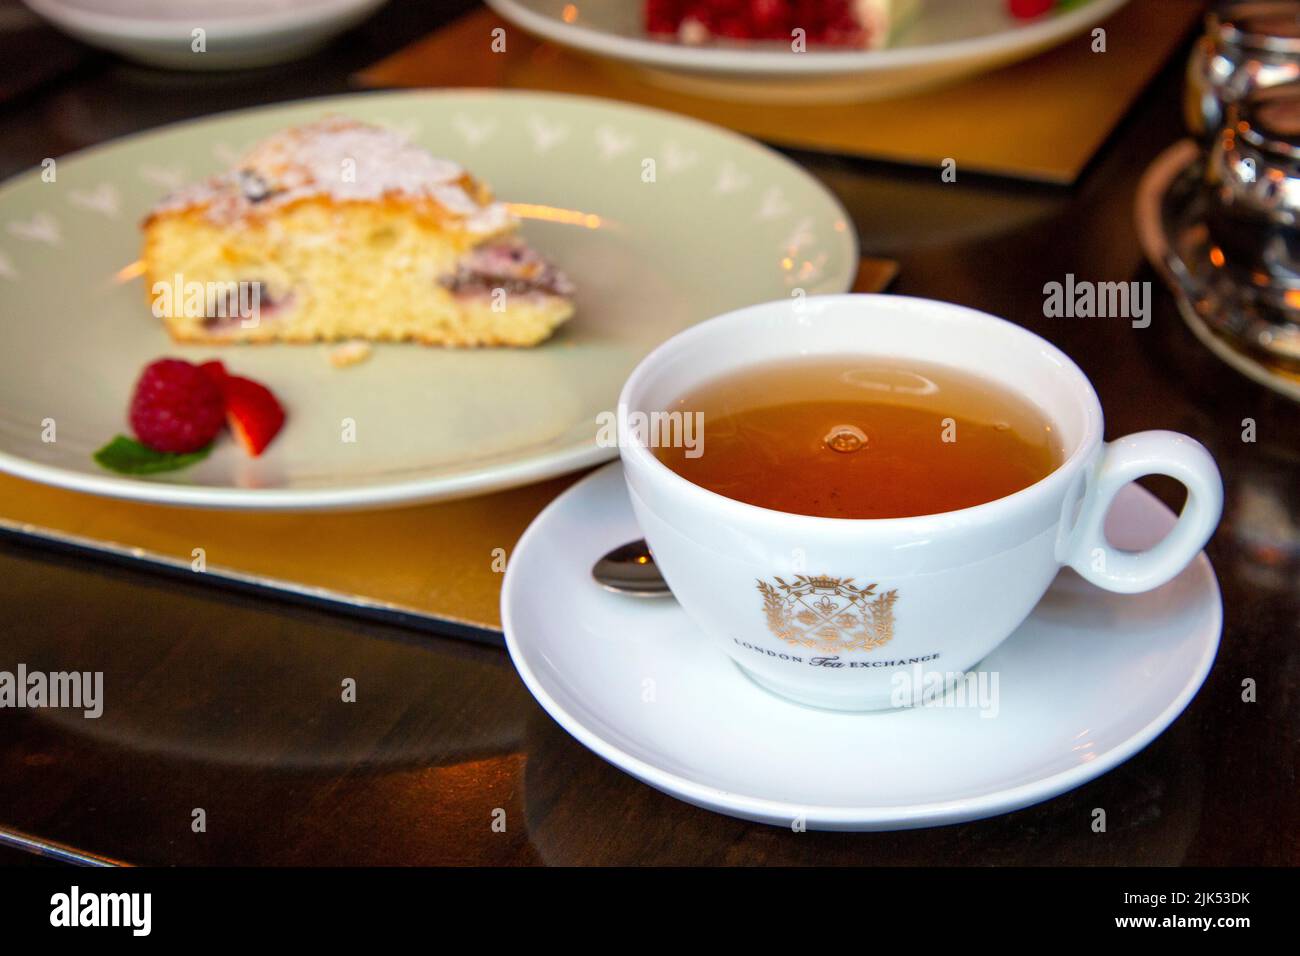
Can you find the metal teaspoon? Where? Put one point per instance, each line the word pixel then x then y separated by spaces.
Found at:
pixel 630 569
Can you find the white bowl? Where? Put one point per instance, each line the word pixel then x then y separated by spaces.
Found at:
pixel 949 39
pixel 236 33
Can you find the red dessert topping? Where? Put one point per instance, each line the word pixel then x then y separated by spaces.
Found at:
pixel 823 21
pixel 1028 9
pixel 176 407
pixel 254 414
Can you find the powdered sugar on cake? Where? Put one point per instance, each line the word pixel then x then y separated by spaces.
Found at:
pixel 343 160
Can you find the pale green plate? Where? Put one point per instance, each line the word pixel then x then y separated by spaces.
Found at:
pixel 725 223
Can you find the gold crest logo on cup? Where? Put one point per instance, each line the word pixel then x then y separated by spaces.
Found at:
pixel 831 615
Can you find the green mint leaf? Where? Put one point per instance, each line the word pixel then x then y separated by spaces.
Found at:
pixel 128 457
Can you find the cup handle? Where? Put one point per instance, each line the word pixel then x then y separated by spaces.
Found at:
pixel 1125 460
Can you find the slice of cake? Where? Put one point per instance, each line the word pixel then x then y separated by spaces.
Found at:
pixel 860 24
pixel 341 230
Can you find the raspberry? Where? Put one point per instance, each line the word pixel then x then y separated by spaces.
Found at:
pixel 176 407
pixel 215 371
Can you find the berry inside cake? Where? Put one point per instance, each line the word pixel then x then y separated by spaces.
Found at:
pixel 342 230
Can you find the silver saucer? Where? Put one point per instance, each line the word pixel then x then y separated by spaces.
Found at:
pixel 1244 318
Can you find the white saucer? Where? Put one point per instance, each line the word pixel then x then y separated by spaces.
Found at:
pixel 1086 682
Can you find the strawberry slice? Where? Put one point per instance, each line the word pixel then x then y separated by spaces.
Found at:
pixel 253 413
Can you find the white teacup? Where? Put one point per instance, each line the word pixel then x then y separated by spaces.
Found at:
pixel 947 588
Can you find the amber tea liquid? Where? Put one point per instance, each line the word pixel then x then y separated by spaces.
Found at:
pixel 863 438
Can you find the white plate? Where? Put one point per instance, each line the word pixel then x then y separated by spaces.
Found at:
pixel 237 33
pixel 947 40
pixel 1087 681
pixel 726 223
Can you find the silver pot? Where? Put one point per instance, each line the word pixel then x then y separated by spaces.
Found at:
pixel 1247 47
pixel 1252 168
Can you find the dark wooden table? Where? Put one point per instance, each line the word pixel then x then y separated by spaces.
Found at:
pixel 229 701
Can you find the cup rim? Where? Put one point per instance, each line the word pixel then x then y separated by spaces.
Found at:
pixel 984 513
